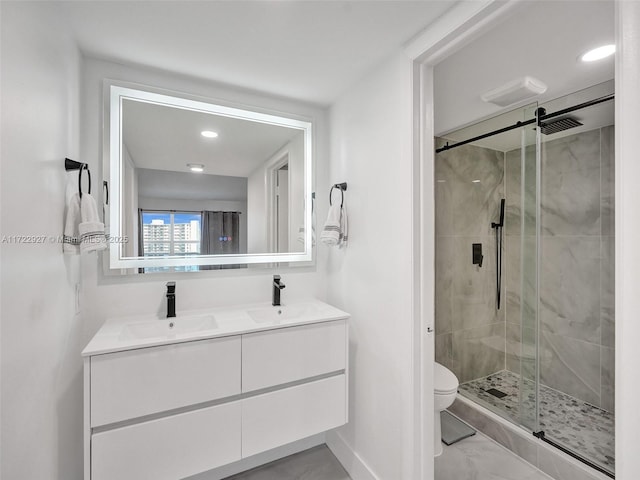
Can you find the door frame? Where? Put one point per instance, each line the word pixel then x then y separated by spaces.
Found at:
pixel 458 26
pixel 271 177
pixel 461 24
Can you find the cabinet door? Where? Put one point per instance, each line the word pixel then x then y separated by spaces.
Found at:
pixel 289 354
pixel 283 416
pixel 140 382
pixel 169 448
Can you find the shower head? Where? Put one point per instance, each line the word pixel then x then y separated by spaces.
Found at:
pixel 559 125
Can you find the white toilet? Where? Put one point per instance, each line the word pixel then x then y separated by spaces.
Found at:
pixel 445 386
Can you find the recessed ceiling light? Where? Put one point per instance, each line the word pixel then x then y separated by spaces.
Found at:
pixel 598 53
pixel 475 181
pixel 209 134
pixel 196 167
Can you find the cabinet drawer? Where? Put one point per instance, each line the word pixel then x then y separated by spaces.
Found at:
pixel 169 448
pixel 287 415
pixel 290 354
pixel 140 382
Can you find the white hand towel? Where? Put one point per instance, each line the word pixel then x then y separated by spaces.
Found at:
pixel 91 229
pixel 344 227
pixel 301 235
pixel 331 230
pixel 71 235
pixel 335 230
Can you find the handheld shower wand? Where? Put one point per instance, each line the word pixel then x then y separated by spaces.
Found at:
pixel 501 223
pixel 498 227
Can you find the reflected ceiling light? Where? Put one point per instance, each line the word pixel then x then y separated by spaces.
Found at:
pixel 196 167
pixel 209 134
pixel 598 53
pixel 475 181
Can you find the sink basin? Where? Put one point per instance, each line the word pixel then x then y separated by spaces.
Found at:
pixel 169 327
pixel 127 333
pixel 298 311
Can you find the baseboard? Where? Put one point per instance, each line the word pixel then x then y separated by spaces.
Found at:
pixel 261 458
pixel 350 460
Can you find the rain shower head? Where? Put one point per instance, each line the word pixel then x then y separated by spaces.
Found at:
pixel 559 125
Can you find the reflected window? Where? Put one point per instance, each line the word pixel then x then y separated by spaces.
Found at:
pixel 169 233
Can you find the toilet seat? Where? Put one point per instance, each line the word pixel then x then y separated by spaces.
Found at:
pixel 444 380
pixel 447 392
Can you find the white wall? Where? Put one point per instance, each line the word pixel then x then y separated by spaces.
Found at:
pixel 257 233
pixel 371 149
pixel 41 334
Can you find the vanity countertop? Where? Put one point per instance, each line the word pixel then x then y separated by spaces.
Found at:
pixel 128 333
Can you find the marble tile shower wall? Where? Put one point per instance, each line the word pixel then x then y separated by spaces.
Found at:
pixel 470 332
pixel 577 267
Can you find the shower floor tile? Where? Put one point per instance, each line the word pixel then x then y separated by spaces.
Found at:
pixel 579 426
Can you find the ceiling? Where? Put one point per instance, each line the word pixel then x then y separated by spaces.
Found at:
pixel 305 50
pixel 159 137
pixel 314 50
pixel 541 39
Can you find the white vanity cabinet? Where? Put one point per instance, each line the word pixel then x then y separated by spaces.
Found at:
pixel 166 412
pixel 146 381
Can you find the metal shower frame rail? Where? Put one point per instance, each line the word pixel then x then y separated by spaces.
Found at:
pixel 541 115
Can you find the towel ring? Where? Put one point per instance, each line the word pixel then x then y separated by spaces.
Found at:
pixel 74 165
pixel 83 167
pixel 342 187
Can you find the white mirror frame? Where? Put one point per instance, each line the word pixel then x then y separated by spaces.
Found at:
pixel 117 92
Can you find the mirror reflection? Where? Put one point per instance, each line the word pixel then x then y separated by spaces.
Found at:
pixel 204 186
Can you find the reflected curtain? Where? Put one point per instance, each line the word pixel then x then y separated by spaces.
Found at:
pixel 140 246
pixel 220 235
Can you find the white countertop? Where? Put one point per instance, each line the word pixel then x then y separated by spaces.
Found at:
pixel 115 334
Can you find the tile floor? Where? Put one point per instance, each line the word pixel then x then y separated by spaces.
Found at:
pixel 480 458
pixel 474 458
pixel 317 463
pixel 579 426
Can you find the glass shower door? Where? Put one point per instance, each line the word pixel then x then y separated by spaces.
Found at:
pixel 575 270
pixel 485 334
pixel 529 213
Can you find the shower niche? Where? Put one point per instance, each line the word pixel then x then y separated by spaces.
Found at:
pixel 530 335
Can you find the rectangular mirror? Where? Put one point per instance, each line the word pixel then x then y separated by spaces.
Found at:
pixel 197 185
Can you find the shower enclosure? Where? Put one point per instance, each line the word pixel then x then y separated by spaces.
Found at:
pixel 529 330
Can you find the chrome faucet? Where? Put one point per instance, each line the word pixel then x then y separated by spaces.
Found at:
pixel 171 299
pixel 277 286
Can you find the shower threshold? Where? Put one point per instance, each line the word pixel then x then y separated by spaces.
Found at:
pixel 567 422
